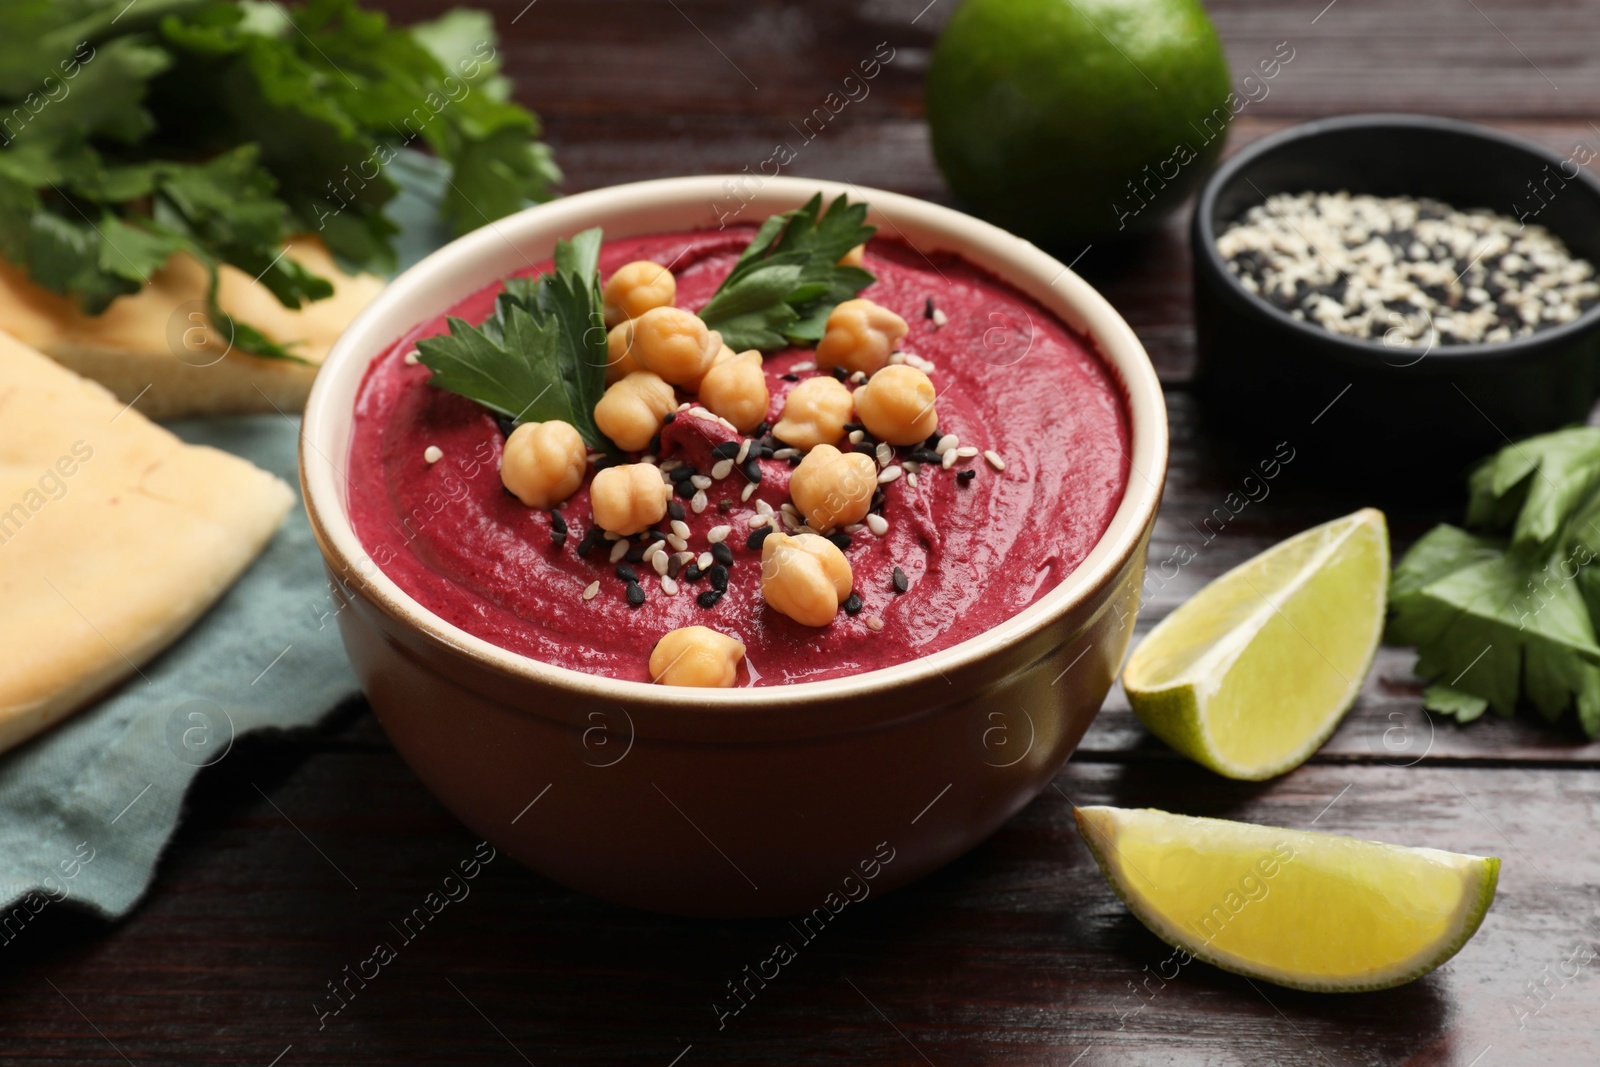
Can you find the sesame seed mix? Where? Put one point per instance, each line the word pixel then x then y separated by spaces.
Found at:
pixel 1407 271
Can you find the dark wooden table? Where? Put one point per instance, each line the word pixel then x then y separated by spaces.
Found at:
pixel 1017 953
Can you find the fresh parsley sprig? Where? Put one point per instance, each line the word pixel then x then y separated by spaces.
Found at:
pixel 542 354
pixel 221 127
pixel 788 280
pixel 1506 613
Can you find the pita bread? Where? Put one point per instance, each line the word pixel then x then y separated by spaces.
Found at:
pixel 156 345
pixel 115 536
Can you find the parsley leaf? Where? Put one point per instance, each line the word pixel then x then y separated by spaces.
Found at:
pixel 221 127
pixel 1506 615
pixel 788 280
pixel 541 354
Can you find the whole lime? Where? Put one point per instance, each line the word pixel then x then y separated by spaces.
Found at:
pixel 1077 119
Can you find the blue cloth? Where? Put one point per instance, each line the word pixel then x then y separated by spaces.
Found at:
pixel 87 807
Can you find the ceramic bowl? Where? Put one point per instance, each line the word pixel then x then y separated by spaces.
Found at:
pixel 734 802
pixel 1388 417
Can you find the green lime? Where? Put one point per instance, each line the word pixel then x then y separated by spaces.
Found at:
pixel 1304 910
pixel 1077 119
pixel 1253 673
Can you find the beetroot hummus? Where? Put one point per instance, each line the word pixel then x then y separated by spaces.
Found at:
pixel 974 542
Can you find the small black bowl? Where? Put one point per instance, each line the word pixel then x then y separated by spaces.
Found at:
pixel 1360 410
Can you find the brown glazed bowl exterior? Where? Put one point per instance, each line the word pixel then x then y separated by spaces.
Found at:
pixel 743 802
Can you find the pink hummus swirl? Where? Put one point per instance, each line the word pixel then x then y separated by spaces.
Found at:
pixel 1012 380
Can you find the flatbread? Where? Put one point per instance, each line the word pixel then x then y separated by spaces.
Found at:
pixel 115 536
pixel 155 347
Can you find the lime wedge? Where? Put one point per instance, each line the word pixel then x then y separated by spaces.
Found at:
pixel 1256 670
pixel 1304 910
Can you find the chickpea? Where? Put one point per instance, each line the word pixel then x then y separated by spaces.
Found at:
pixel 628 498
pixel 633 410
pixel 805 577
pixel 833 488
pixel 859 337
pixel 696 656
pixel 619 352
pixel 853 258
pixel 543 463
pixel 735 388
pixel 636 288
pixel 896 405
pixel 674 344
pixel 814 413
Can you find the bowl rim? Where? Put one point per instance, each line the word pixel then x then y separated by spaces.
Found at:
pixel 1363 350
pixel 465 265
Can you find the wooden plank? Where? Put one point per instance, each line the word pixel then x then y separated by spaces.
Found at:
pixel 1017 953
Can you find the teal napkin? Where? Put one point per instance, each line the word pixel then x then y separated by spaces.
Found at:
pixel 86 808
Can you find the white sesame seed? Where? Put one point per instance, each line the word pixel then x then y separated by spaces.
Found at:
pixel 759 520
pixel 666 479
pixel 700 481
pixel 668 586
pixel 744 451
pixel 858 378
pixel 887 475
pixel 854 528
pixel 705 561
pixel 619 550
pixel 721 469
pixel 698 504
pixel 911 466
pixel 590 590
pixel 939 318
pixel 683 406
pixel 878 525
pixel 785 453
pixel 789 509
pixel 994 459
pixel 885 454
pixel 653 549
pixel 659 562
pixel 946 443
pixel 680 528
pixel 874 623
pixel 803 366
pixel 650 459
pixel 596 457
pixel 856 436
pixel 610 535
pixel 413 358
pixel 718 533
pixel 791 522
pixel 432 454
pixel 745 493
pixel 671 464
pixel 911 479
pixel 763 508
pixel 966 451
pixel 949 460
pixel 678 543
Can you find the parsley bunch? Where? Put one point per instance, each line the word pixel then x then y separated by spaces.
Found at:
pixel 1507 612
pixel 220 127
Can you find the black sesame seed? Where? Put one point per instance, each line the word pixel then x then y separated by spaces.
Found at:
pixel 866 448
pixel 685 489
pixel 669 418
pixel 722 552
pixel 840 373
pixel 691 573
pixel 590 540
pixel 654 446
pixel 681 474
pixel 635 553
pixel 926 455
pixel 966 476
pixel 608 461
pixel 635 594
pixel 724 506
pixel 852 605
pixel 761 430
pixel 726 450
pixel 878 498
pixel 757 536
pixel 852 427
pixel 627 573
pixel 790 377
pixel 506 425
pixel 675 510
pixel 794 461
pixel 719 577
pixel 899 581
pixel 709 598
pixel 927 308
pixel 841 540
pixel 751 470
pixel 558 525
pixel 933 440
